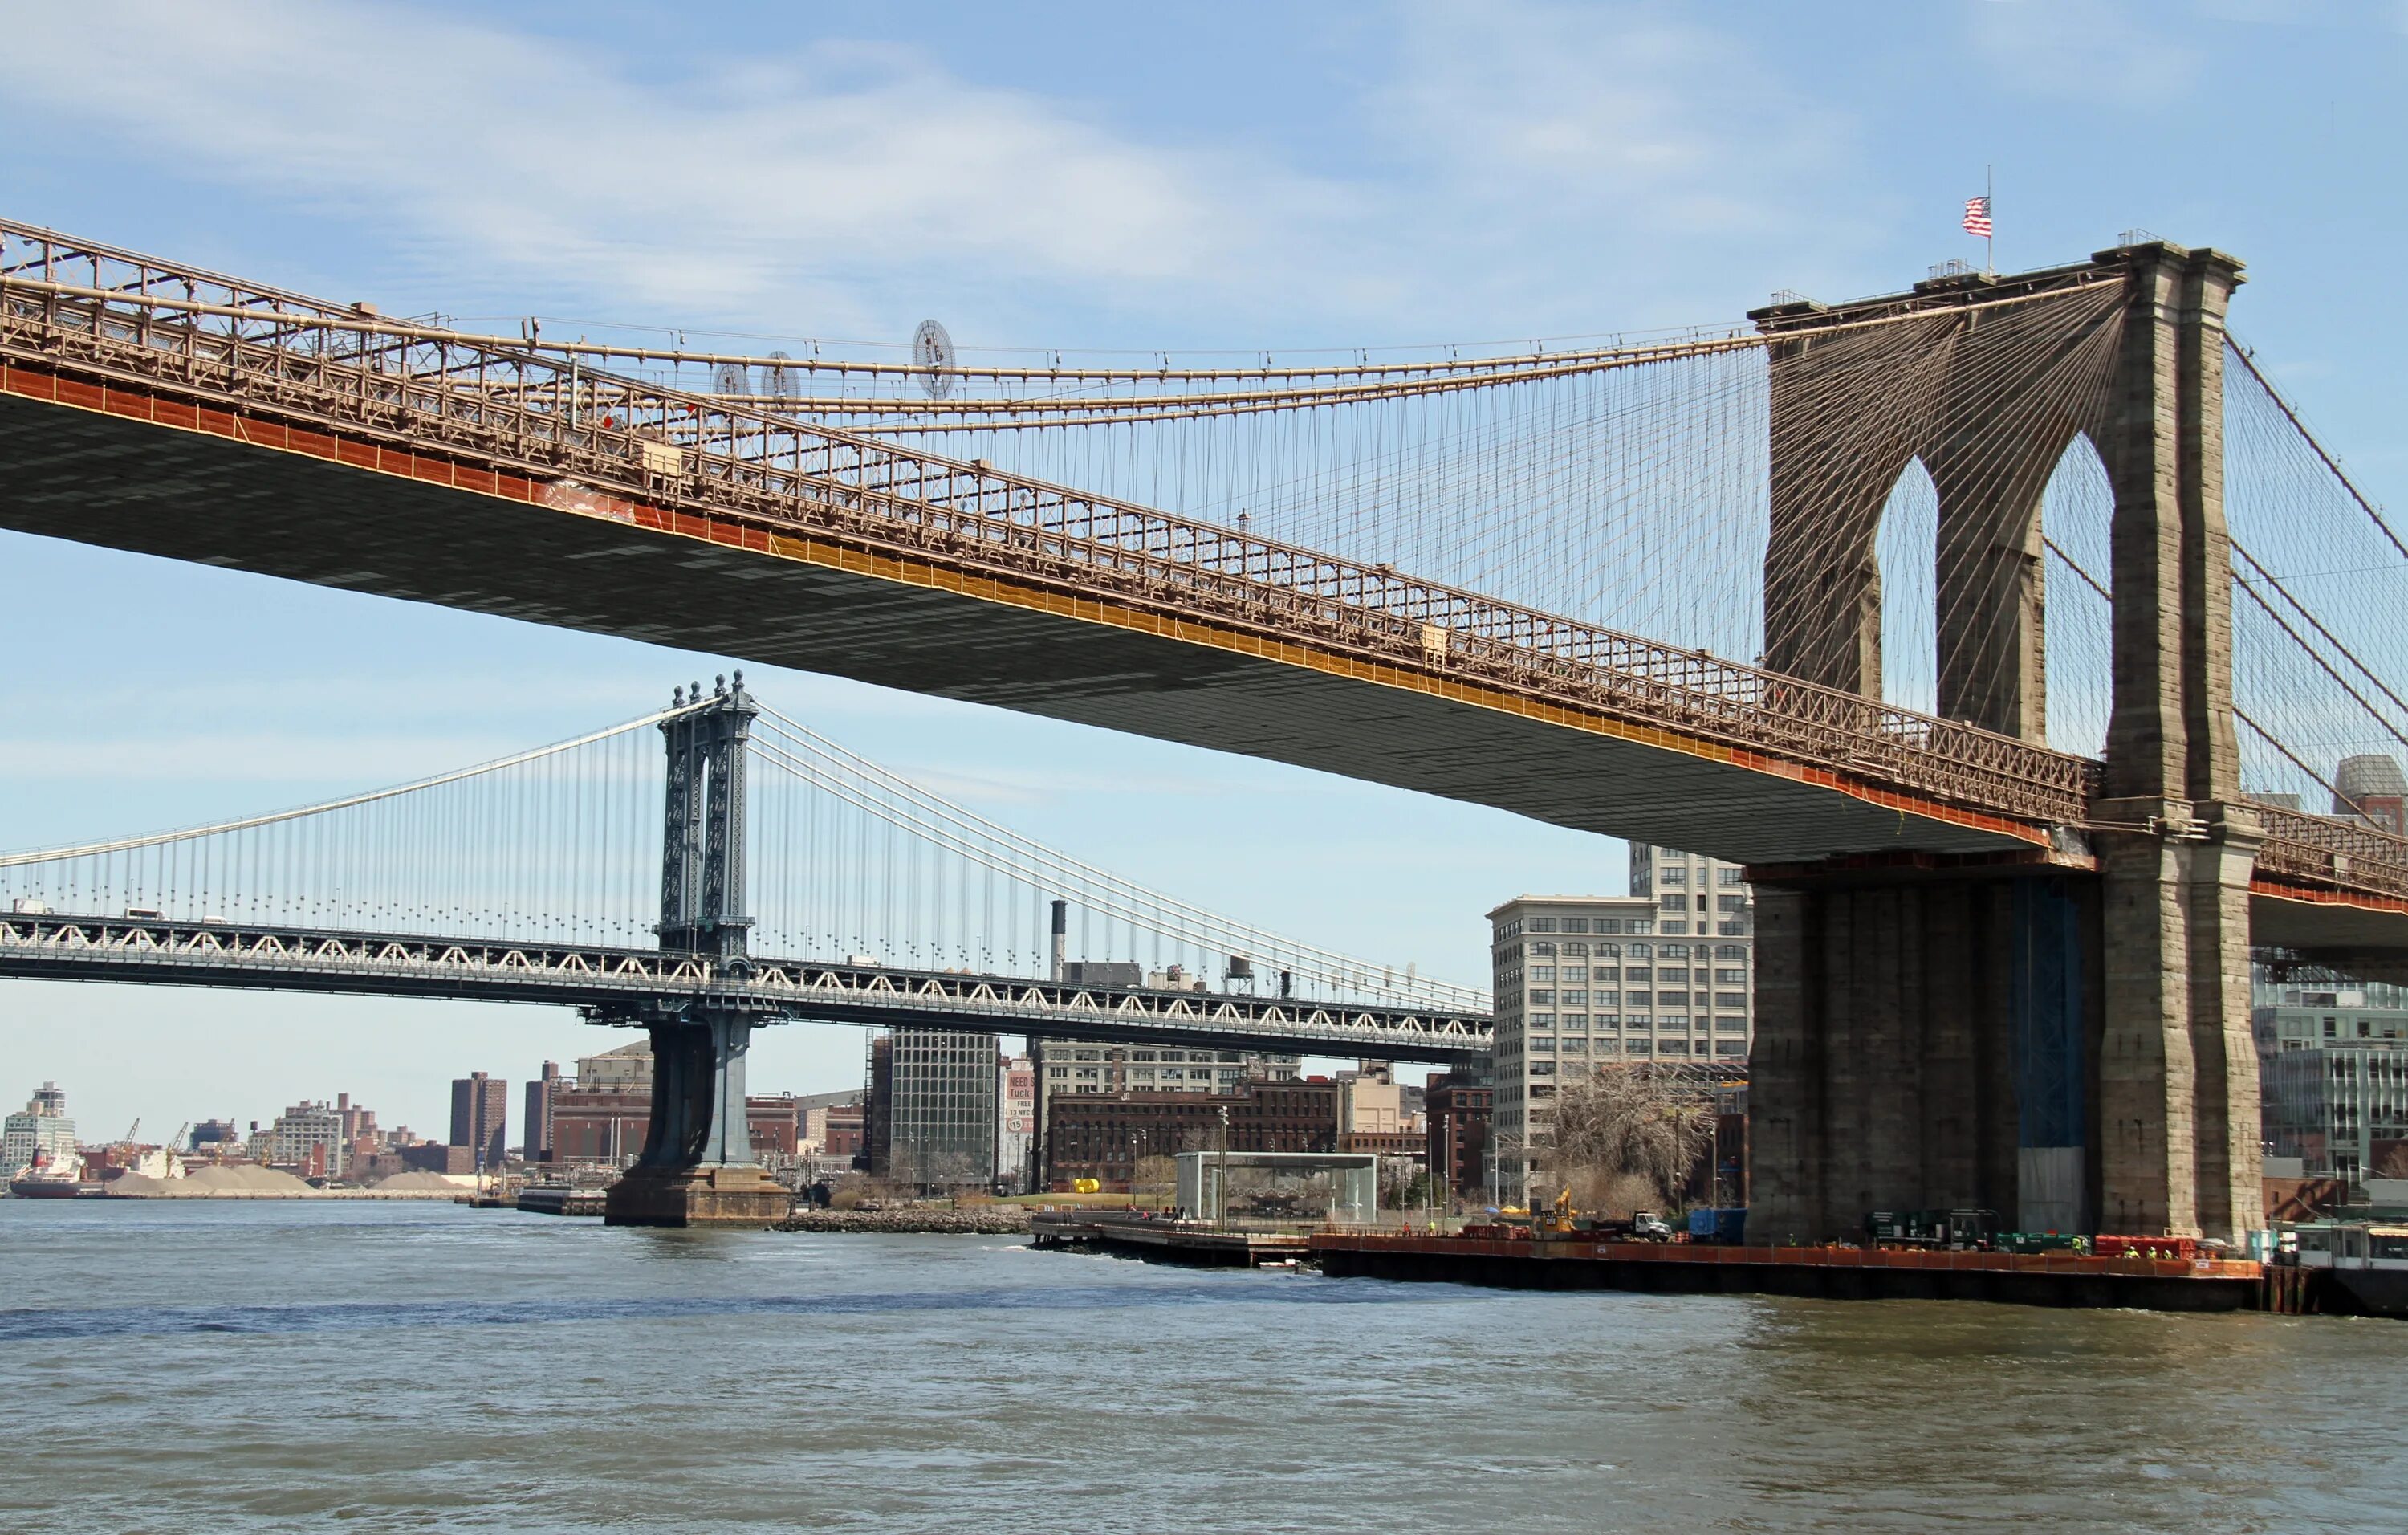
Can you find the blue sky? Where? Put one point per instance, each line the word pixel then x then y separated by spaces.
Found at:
pixel 1248 177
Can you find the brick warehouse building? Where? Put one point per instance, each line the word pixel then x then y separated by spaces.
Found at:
pixel 1104 1137
pixel 1457 1107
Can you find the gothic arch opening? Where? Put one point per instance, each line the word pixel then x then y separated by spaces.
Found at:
pixel 2076 508
pixel 1905 551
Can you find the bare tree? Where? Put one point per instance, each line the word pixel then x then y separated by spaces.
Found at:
pixel 1625 1138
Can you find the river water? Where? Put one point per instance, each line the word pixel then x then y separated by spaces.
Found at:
pixel 305 1366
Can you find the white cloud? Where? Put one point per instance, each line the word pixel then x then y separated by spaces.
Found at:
pixel 1523 152
pixel 1575 146
pixel 788 175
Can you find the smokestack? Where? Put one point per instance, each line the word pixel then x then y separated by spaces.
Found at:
pixel 1061 937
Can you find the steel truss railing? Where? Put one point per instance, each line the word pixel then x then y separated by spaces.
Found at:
pixel 115 315
pixel 2328 849
pixel 608 981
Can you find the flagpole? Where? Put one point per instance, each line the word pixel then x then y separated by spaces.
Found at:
pixel 1990 206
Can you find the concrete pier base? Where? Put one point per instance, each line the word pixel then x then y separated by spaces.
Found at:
pixel 741 1195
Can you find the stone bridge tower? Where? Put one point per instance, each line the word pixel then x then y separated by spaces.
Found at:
pixel 2063 1038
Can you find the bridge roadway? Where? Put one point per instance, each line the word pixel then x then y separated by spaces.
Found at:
pixel 50 946
pixel 323 444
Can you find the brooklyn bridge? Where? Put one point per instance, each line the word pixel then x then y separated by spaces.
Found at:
pixel 2012 629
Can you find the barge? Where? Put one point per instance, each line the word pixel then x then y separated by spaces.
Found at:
pixel 1199 1243
pixel 1580 1262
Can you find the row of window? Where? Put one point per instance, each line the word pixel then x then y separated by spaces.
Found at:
pixel 1636 974
pixel 1231 1056
pixel 1621 951
pixel 1587 997
pixel 1729 1050
pixel 1516 927
pixel 1543 1023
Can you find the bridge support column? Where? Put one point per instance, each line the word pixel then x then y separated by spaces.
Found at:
pixel 1921 1044
pixel 2180 1149
pixel 696 1168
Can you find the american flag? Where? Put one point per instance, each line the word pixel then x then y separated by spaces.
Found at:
pixel 1977 216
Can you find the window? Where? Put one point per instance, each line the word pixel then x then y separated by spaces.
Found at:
pixel 1637 1047
pixel 1671 999
pixel 1731 1025
pixel 1575 972
pixel 1576 999
pixel 1144 1055
pixel 1543 951
pixel 1608 924
pixel 1606 999
pixel 1672 924
pixel 1576 925
pixel 1674 902
pixel 2330 1025
pixel 1672 950
pixel 1672 1047
pixel 1671 974
pixel 1542 972
pixel 1731 903
pixel 1638 975
pixel 1638 951
pixel 1574 1020
pixel 1637 1020
pixel 1727 876
pixel 1730 951
pixel 1609 950
pixel 1542 1045
pixel 1542 925
pixel 1575 950
pixel 1733 976
pixel 1731 929
pixel 1672 874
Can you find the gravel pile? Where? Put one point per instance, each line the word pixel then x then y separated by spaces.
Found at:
pixel 985 1221
pixel 212 1183
pixel 421 1181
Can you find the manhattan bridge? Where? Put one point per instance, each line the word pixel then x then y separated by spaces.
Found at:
pixel 2014 630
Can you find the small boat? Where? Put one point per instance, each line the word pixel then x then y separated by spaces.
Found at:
pixel 49 1178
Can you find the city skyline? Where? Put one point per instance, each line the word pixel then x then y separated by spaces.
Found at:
pixel 1782 152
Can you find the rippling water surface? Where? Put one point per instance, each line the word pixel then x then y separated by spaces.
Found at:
pixel 308 1366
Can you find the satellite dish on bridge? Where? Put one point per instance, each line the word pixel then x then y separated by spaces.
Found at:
pixel 932 348
pixel 730 379
pixel 781 379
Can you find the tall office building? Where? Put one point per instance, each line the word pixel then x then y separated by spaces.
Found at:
pixel 1575 979
pixel 932 1103
pixel 1704 999
pixel 535 1131
pixel 2332 1072
pixel 480 1108
pixel 44 1127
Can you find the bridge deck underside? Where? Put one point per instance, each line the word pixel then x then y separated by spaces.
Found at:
pixel 96 479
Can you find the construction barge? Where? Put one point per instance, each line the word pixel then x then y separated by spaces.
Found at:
pixel 1579 1261
pixel 1200 1242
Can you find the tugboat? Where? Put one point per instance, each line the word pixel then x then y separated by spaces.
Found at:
pixel 46 1178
